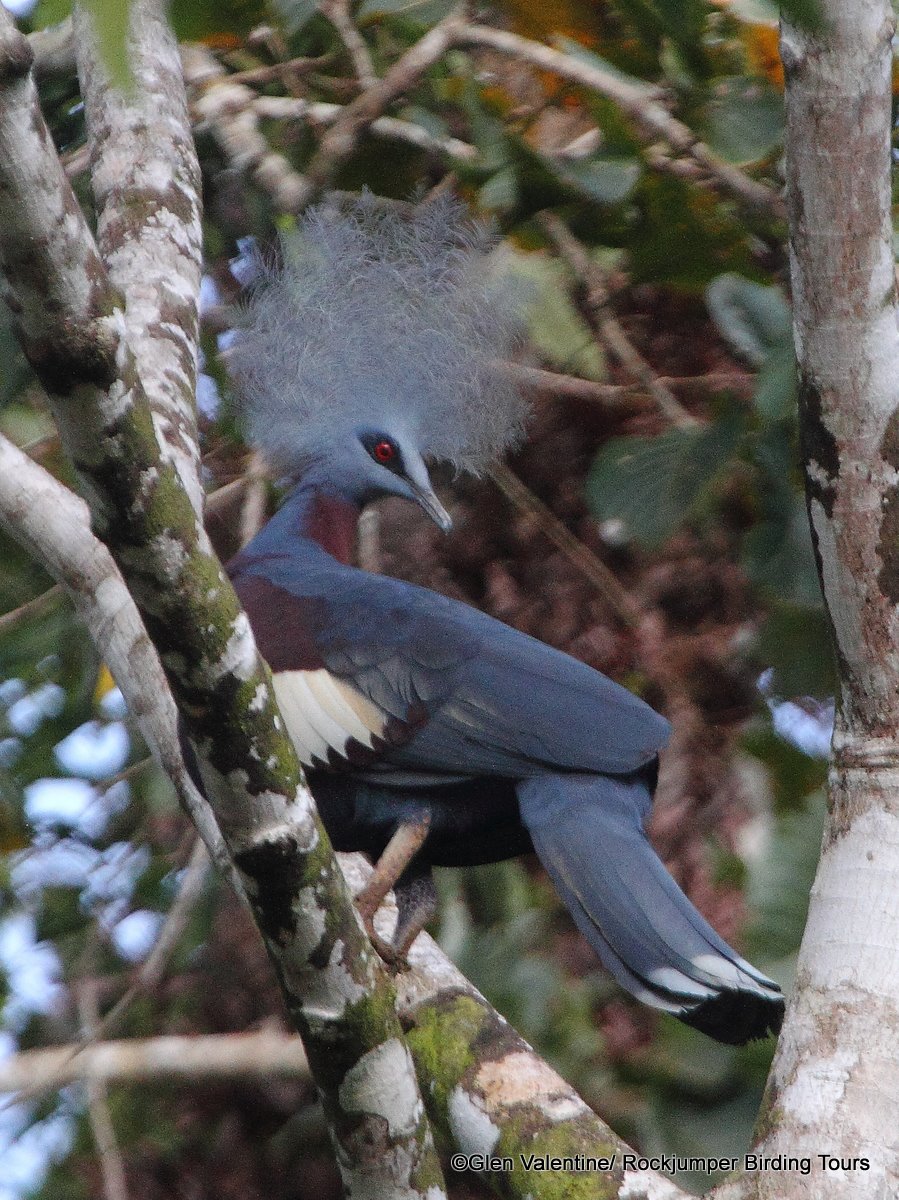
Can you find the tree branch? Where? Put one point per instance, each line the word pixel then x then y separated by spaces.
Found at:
pixel 837 1051
pixel 111 1166
pixel 572 547
pixel 342 138
pixel 267 1054
pixel 52 525
pixel 336 992
pixel 640 103
pixel 488 1092
pixel 146 185
pixel 608 329
pixel 227 109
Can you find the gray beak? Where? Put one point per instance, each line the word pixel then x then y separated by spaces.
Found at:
pixel 433 507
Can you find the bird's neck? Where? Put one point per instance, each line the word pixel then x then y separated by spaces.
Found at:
pixel 315 516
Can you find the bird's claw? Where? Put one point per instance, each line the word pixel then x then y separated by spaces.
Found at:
pixel 394 956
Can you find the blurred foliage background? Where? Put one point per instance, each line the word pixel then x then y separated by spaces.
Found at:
pixel 653 525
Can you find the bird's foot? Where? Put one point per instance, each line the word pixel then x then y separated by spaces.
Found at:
pixel 386 950
pixel 389 872
pixel 416 901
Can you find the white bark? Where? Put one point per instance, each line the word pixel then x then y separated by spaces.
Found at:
pixel 53 525
pixel 268 1054
pixel 136 460
pixel 834 1088
pixel 146 184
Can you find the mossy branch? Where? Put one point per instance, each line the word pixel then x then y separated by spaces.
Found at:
pixel 97 364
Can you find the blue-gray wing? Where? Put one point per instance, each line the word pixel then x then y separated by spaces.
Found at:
pixel 474 695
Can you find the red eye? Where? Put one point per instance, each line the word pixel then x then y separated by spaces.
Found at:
pixel 384 451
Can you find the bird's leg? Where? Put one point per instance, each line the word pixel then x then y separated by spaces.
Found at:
pixel 416 902
pixel 398 853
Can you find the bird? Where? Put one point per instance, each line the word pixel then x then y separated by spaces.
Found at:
pixel 431 733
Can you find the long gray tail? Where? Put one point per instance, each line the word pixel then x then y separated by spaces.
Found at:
pixel 588 832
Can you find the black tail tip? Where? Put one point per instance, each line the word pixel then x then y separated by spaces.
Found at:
pixel 736 1018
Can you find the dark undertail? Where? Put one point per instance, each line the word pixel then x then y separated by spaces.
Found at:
pixel 472 822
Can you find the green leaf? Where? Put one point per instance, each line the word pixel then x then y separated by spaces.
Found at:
pixel 582 54
pixel 49 12
pixel 794 775
pixel 780 881
pixel 209 20
pixel 423 12
pixel 655 484
pixel 500 193
pixel 556 328
pixel 744 120
pixel 295 14
pixel 795 642
pixel 778 556
pixel 682 20
pixel 61 913
pixel 680 235
pixel 776 385
pixel 754 319
pixel 487 132
pixel 807 14
pixel 604 180
pixel 545 181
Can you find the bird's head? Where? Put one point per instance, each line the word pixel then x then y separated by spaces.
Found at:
pixel 376 344
pixel 394 467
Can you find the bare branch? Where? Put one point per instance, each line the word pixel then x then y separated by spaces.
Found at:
pixel 54 50
pixel 266 1054
pixel 336 993
pixel 583 558
pixel 50 262
pixel 606 326
pixel 227 109
pixel 834 1084
pixel 641 103
pixel 153 967
pixel 628 397
pixel 499 1098
pixel 111 1165
pixel 146 185
pixel 342 138
pixel 32 610
pixel 340 15
pixel 292 108
pixel 490 1093
pixel 52 524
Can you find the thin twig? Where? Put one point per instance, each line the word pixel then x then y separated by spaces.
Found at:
pixel 252 509
pixel 638 101
pixel 627 396
pixel 52 524
pixel 572 547
pixel 226 109
pixel 153 967
pixel 280 108
pixel 260 76
pixel 607 326
pixel 148 975
pixel 342 138
pixel 31 609
pixel 339 14
pixel 127 773
pixel 115 1186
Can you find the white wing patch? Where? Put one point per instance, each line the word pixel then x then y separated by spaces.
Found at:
pixel 323 713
